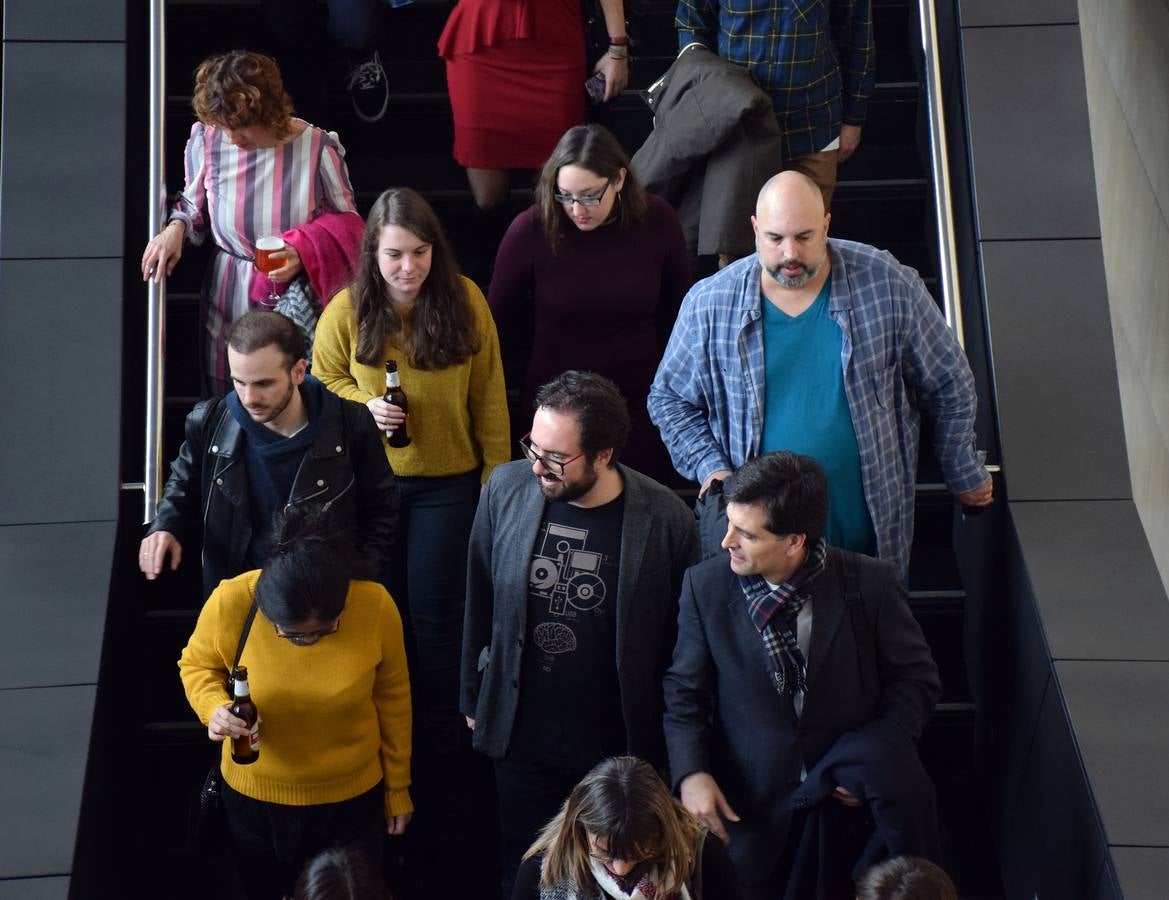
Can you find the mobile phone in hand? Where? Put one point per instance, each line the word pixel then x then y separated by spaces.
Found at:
pixel 595 88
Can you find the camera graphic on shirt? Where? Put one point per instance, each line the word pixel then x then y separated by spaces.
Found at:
pixel 565 572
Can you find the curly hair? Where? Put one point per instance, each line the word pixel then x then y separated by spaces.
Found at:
pixel 596 403
pixel 239 89
pixel 441 331
pixel 591 147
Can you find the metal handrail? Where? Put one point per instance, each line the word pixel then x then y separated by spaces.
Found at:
pixel 940 164
pixel 156 288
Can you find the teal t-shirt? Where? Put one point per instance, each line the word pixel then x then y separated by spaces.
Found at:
pixel 806 411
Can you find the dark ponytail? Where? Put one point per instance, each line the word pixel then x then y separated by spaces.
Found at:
pixel 307 575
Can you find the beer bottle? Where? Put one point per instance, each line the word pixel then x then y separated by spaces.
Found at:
pixel 245 750
pixel 399 437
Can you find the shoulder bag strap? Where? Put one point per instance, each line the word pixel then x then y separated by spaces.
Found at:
pixel 695 884
pixel 243 637
pixel 862 631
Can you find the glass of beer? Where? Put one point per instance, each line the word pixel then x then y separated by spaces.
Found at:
pixel 265 247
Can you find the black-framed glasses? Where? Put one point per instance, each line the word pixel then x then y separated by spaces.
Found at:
pixel 305 638
pixel 568 199
pixel 555 466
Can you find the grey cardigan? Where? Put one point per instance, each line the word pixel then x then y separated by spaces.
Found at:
pixel 658 543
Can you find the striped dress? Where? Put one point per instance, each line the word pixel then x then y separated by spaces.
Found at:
pixel 241 195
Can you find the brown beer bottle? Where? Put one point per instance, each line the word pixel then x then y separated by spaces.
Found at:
pixel 399 437
pixel 245 750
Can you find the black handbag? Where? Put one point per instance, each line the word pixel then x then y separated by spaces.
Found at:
pixel 206 824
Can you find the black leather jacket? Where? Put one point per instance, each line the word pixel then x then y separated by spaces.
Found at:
pixel 345 470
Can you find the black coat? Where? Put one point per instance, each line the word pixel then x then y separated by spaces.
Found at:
pixel 723 716
pixel 345 470
pixel 878 764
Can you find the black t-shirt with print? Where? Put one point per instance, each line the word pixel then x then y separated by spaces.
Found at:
pixel 569 709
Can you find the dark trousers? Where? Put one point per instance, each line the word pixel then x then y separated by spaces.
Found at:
pixel 711 511
pixel 271 842
pixel 530 793
pixel 427 577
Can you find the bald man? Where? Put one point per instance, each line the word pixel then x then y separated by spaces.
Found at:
pixel 831 349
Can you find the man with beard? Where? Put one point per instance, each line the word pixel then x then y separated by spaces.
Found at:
pixel 280 438
pixel 574 570
pixel 828 349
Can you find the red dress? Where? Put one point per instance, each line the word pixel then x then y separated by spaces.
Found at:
pixel 515 71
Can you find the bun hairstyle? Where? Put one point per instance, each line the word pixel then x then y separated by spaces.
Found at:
pixel 307 575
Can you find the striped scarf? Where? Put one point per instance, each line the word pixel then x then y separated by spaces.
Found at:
pixel 790 669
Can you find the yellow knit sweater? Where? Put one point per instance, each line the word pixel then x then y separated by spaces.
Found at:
pixel 458 415
pixel 335 715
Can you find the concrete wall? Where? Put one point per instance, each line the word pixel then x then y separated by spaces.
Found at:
pixel 1127 76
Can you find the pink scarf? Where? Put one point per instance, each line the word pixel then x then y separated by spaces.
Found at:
pixel 330 249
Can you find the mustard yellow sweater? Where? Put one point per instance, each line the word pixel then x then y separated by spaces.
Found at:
pixel 458 415
pixel 335 715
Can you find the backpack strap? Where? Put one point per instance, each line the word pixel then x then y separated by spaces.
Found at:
pixel 862 631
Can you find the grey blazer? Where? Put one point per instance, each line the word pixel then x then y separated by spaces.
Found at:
pixel 658 543
pixel 715 142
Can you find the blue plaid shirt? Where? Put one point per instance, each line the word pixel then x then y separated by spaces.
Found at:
pixel 814 57
pixel 898 356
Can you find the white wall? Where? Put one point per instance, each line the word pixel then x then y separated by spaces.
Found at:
pixel 1126 66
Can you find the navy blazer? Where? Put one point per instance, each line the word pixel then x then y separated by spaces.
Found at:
pixel 723 716
pixel 658 543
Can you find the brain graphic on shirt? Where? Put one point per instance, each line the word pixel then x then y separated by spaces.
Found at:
pixel 553 637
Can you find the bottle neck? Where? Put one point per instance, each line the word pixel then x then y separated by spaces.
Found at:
pixel 241 688
pixel 392 380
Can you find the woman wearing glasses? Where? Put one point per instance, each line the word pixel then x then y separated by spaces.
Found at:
pixel 622 835
pixel 599 268
pixel 327 671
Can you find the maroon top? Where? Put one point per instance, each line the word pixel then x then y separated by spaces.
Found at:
pixel 604 302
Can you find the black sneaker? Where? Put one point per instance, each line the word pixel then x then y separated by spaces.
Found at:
pixel 368 89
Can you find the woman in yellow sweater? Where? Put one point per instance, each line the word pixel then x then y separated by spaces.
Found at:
pixel 409 304
pixel 327 671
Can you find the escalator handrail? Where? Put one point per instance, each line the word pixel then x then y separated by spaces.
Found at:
pixel 156 288
pixel 940 165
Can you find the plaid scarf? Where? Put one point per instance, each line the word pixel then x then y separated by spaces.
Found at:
pixel 790 669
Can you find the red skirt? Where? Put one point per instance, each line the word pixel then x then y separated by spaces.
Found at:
pixel 516 79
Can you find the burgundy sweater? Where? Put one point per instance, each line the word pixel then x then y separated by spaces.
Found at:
pixel 604 302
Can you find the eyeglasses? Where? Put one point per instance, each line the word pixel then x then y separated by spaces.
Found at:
pixel 607 859
pixel 305 638
pixel 568 199
pixel 555 466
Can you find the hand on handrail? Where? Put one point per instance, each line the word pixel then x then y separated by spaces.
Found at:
pixel 163 252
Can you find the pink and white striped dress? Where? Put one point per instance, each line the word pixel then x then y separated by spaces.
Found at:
pixel 241 195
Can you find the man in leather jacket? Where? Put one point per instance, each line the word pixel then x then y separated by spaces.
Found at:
pixel 280 438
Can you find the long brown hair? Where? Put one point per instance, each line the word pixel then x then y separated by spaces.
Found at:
pixel 241 88
pixel 625 802
pixel 591 147
pixel 441 330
